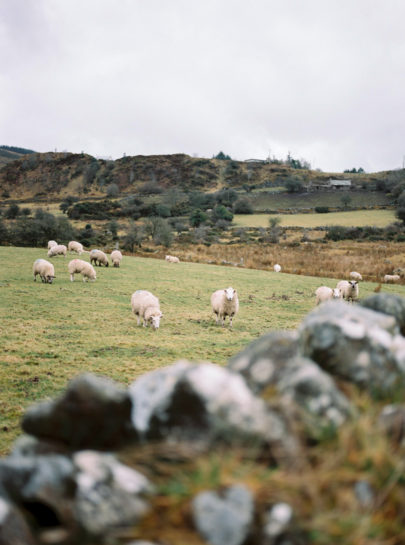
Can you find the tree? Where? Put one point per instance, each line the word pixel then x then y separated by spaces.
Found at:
pixel 220 212
pixel 12 211
pixel 293 184
pixel 134 237
pixel 197 217
pixel 274 229
pixel 112 190
pixel 243 206
pixel 221 155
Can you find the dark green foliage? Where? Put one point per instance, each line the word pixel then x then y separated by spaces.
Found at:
pixel 293 184
pixel 243 206
pixel 321 209
pixel 134 237
pixel 94 210
pixel 197 217
pixel 220 212
pixel 4 234
pixel 112 190
pixel 354 170
pixel 221 155
pixel 201 200
pixel 90 172
pixel 12 211
pixel 159 230
pixel 22 151
pixel 163 211
pixel 346 200
pixel 38 230
pixel 226 197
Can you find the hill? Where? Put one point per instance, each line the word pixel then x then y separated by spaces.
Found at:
pixel 12 153
pixel 55 175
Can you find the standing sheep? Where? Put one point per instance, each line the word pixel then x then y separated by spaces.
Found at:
pixel 277 267
pixel 225 303
pixel 78 266
pixel 116 258
pixel 98 257
pixel 74 246
pixel 392 278
pixel 172 259
pixel 52 243
pixel 355 276
pixel 59 249
pixel 350 290
pixel 323 293
pixel 146 306
pixel 45 270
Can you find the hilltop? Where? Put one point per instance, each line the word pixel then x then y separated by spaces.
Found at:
pixel 56 175
pixel 11 153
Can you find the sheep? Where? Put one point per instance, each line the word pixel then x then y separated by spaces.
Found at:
pixel 59 249
pixel 355 276
pixel 146 306
pixel 74 246
pixel 225 303
pixel 172 259
pixel 400 271
pixel 350 290
pixel 78 266
pixel 45 270
pixel 392 278
pixel 277 267
pixel 323 293
pixel 116 257
pixel 51 243
pixel 98 257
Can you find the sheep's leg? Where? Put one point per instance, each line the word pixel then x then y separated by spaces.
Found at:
pixel 230 321
pixel 35 277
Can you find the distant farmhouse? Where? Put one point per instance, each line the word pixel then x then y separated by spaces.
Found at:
pixel 330 184
pixel 255 161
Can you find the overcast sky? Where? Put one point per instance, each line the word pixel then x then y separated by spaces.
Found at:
pixel 323 79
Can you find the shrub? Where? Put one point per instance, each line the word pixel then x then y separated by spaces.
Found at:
pixel 112 190
pixel 293 184
pixel 220 212
pixel 321 209
pixel 243 206
pixel 12 211
pixel 197 217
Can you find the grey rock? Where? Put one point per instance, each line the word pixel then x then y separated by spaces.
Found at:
pixel 277 521
pixel 392 422
pixel 109 494
pixel 28 445
pixel 93 412
pixel 388 303
pixel 14 530
pixel 274 360
pixel 356 344
pixel 224 519
pixel 204 403
pixel 364 494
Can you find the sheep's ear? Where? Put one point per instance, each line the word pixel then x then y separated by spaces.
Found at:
pixel 224 291
pixel 161 314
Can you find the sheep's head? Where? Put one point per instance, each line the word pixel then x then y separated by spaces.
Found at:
pixel 50 278
pixel 337 294
pixel 230 293
pixel 154 319
pixel 353 284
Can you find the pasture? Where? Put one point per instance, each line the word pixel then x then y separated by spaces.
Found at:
pixel 349 218
pixel 50 333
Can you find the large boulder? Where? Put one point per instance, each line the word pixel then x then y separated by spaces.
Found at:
pixel 273 361
pixel 204 403
pixel 93 412
pixel 388 303
pixel 356 344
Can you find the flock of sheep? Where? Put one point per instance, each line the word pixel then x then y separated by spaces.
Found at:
pixel 144 304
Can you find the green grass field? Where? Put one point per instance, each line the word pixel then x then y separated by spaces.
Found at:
pixel 350 218
pixel 50 333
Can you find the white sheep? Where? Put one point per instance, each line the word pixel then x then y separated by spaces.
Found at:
pixel 59 249
pixel 392 278
pixel 98 257
pixel 52 243
pixel 349 289
pixel 74 246
pixel 116 258
pixel 78 266
pixel 225 303
pixel 45 270
pixel 145 305
pixel 355 276
pixel 277 267
pixel 323 293
pixel 172 259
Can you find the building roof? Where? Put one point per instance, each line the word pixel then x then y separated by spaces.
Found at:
pixel 340 182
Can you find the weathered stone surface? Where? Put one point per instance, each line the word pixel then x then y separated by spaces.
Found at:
pixel 93 412
pixel 274 360
pixel 28 445
pixel 14 530
pixel 356 344
pixel 224 519
pixel 109 494
pixel 204 403
pixel 392 422
pixel 388 303
pixel 280 527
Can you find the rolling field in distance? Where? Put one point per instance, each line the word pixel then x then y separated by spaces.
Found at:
pixel 349 218
pixel 50 333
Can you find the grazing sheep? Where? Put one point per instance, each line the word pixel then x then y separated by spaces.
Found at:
pixel 225 303
pixel 98 257
pixel 74 246
pixel 116 257
pixel 355 276
pixel 323 293
pixel 78 266
pixel 52 243
pixel 277 267
pixel 59 249
pixel 400 271
pixel 146 306
pixel 392 278
pixel 350 290
pixel 45 270
pixel 172 259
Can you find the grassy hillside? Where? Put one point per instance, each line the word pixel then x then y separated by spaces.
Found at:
pixel 12 153
pixel 50 333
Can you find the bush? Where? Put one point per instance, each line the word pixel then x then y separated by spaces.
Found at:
pixel 293 184
pixel 112 190
pixel 220 212
pixel 197 217
pixel 321 209
pixel 12 211
pixel 38 230
pixel 243 206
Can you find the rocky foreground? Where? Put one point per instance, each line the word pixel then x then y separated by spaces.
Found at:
pixel 77 474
